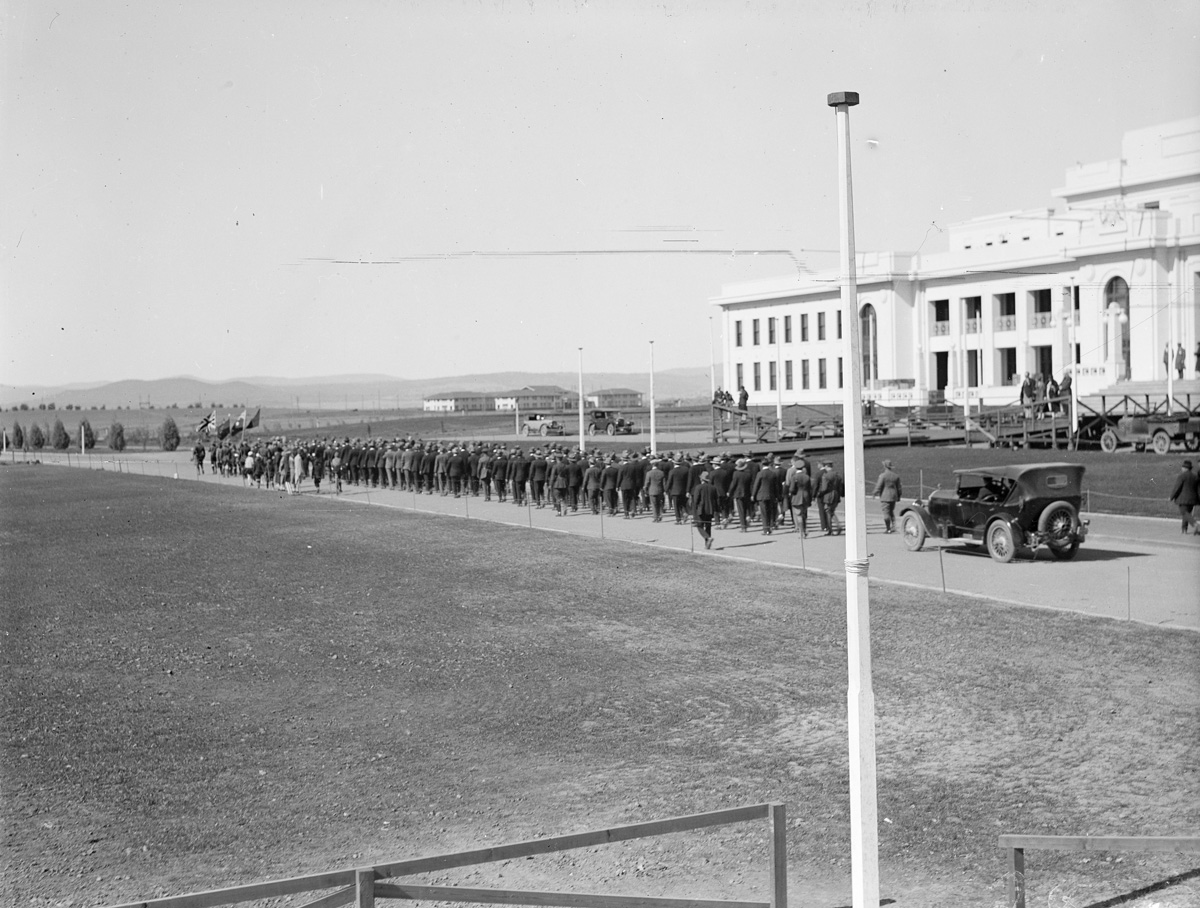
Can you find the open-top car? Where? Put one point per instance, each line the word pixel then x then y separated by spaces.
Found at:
pixel 537 424
pixel 609 422
pixel 1005 509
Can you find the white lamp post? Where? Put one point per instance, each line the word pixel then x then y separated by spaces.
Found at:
pixel 864 828
pixel 581 436
pixel 653 441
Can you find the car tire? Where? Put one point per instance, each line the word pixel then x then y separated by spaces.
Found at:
pixel 545 430
pixel 1000 542
pixel 1108 441
pixel 525 431
pixel 912 531
pixel 592 429
pixel 1058 521
pixel 1192 442
pixel 1065 552
pixel 1161 442
pixel 611 429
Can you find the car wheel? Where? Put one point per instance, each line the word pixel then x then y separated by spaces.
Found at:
pixel 1192 442
pixel 592 429
pixel 1162 442
pixel 1065 552
pixel 912 528
pixel 545 431
pixel 1058 522
pixel 611 429
pixel 525 431
pixel 1108 441
pixel 1000 543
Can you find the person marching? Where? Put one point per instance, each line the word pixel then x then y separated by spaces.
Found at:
pixel 1186 494
pixel 704 508
pixel 888 491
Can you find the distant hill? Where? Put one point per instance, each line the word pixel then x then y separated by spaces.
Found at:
pixel 342 391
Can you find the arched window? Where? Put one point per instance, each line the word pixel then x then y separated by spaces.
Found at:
pixel 870 344
pixel 1116 292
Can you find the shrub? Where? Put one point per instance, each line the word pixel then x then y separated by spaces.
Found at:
pixel 89 437
pixel 169 435
pixel 24 406
pixel 18 436
pixel 116 437
pixel 37 438
pixel 59 439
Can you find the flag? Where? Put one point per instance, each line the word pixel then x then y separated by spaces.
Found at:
pixel 223 428
pixel 239 424
pixel 206 424
pixel 254 419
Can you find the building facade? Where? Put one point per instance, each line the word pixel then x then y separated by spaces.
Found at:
pixel 614 399
pixel 1101 286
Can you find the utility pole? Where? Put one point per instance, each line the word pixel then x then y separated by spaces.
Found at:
pixel 864 823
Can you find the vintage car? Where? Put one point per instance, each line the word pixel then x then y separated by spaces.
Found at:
pixel 1005 508
pixel 536 424
pixel 608 421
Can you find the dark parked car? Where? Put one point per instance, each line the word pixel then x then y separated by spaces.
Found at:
pixel 608 421
pixel 1005 508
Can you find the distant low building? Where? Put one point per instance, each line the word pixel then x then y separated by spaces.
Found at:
pixel 614 399
pixel 536 397
pixel 458 402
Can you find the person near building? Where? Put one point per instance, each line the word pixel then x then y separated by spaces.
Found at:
pixel 766 492
pixel 888 491
pixel 656 489
pixel 1180 361
pixel 1051 395
pixel 739 491
pixel 1027 396
pixel 830 489
pixel 704 508
pixel 800 494
pixel 1064 391
pixel 1186 495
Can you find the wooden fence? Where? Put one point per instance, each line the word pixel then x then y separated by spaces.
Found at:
pixel 362 886
pixel 1016 845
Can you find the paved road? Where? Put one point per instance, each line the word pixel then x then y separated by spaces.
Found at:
pixel 1130 568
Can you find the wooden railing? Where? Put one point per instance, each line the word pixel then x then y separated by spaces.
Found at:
pixel 1016 846
pixel 361 886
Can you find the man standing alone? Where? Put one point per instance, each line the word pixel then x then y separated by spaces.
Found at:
pixel 1186 494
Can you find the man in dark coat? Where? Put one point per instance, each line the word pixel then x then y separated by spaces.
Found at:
pixel 888 491
pixel 539 469
pixel 1186 494
pixel 766 492
pixel 518 475
pixel 500 473
pixel 740 488
pixel 627 483
pixel 608 486
pixel 656 489
pixel 677 487
pixel 704 508
pixel 830 489
pixel 722 477
pixel 591 484
pixel 574 480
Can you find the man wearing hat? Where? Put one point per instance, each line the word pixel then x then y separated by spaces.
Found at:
pixel 1186 494
pixel 830 488
pixel 676 484
pixel 887 490
pixel 739 491
pixel 704 507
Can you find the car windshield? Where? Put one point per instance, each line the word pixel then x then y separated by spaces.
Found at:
pixel 972 486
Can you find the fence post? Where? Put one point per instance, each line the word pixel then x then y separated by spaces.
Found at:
pixel 778 818
pixel 1016 878
pixel 364 885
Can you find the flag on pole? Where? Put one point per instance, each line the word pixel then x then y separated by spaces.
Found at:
pixel 206 424
pixel 239 424
pixel 223 428
pixel 254 419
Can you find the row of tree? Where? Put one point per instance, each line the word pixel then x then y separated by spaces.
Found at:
pixel 59 439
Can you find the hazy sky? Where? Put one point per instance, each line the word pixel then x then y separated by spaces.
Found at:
pixel 176 177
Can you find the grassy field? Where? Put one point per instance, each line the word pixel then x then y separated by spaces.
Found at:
pixel 203 687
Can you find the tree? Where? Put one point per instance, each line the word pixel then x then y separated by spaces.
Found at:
pixel 116 437
pixel 59 439
pixel 37 439
pixel 89 437
pixel 18 436
pixel 169 435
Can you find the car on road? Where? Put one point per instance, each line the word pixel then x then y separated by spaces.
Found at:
pixel 1004 508
pixel 537 424
pixel 610 422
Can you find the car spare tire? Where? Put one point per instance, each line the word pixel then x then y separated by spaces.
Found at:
pixel 1059 522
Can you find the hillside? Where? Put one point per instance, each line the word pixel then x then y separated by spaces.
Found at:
pixel 339 391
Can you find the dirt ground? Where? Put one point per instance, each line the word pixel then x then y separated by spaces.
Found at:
pixel 203 687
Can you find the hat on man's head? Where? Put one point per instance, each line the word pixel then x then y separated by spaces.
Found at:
pixel 887 464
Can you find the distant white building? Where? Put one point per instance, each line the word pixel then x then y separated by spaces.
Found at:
pixel 458 402
pixel 1100 285
pixel 614 399
pixel 536 397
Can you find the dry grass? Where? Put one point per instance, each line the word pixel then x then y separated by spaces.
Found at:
pixel 204 687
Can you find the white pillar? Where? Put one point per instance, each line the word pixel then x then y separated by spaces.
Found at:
pixel 653 441
pixel 864 830
pixel 581 435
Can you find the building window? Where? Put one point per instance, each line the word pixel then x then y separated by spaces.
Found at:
pixel 758 376
pixel 787 329
pixel 941 317
pixel 973 370
pixel 772 380
pixel 770 331
pixel 840 376
pixel 1116 292
pixel 804 374
pixel 868 328
pixel 1043 301
pixel 1006 311
pixel 737 333
pixel 1007 361
pixel 741 378
pixel 754 327
pixel 787 375
pixel 839 337
pixel 821 379
pixel 821 327
pixel 804 328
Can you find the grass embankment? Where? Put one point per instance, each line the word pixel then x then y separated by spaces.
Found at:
pixel 203 687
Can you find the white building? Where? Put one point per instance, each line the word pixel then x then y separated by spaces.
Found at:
pixel 1102 283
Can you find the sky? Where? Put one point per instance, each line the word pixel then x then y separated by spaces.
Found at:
pixel 295 188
